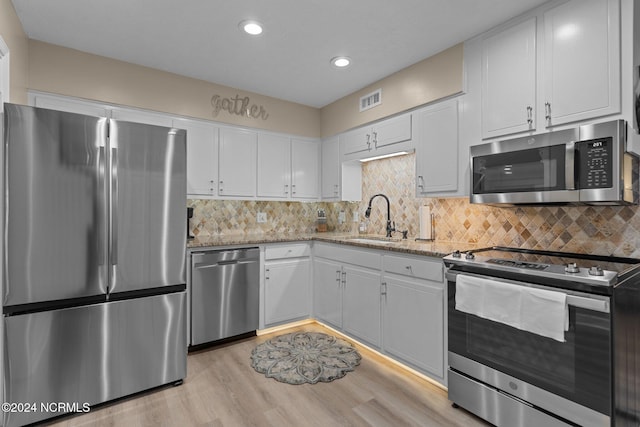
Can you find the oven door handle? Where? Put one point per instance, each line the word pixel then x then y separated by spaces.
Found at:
pixel 594 304
pixel 589 303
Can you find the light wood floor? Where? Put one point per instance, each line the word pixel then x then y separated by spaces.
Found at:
pixel 221 389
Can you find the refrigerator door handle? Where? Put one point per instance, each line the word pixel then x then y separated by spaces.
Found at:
pixel 102 206
pixel 113 249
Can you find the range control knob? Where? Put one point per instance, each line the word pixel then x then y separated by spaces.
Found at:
pixel 596 270
pixel 572 267
pixel 456 254
pixel 469 255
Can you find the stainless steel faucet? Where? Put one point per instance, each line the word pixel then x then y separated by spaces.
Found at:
pixel 391 227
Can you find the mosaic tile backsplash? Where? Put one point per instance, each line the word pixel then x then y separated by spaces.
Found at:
pixel 604 230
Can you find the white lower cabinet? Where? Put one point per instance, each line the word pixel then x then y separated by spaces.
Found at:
pixel 413 312
pixel 361 304
pixel 347 290
pixel 287 283
pixel 327 291
pixel 390 301
pixel 413 328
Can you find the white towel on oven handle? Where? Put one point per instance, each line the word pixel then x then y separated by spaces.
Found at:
pixel 470 294
pixel 534 310
pixel 545 313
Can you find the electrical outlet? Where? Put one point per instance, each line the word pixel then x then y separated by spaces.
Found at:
pixel 262 217
pixel 356 216
pixel 341 217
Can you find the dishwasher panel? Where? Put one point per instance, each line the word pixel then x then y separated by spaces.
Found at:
pixel 225 294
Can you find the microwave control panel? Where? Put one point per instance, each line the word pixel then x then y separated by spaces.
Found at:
pixel 596 164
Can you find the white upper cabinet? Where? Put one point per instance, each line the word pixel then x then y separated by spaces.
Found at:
pixel 274 166
pixel 202 157
pixel 138 116
pixel 69 105
pixel 509 80
pixel 392 131
pixel 559 64
pixel 305 169
pixel 437 158
pixel 356 141
pixel 380 138
pixel 581 61
pixel 288 168
pixel 237 163
pixel 331 168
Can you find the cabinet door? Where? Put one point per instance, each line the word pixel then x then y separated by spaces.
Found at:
pixel 70 106
pixel 331 168
pixel 286 292
pixel 392 131
pixel 413 323
pixel 361 304
pixel 356 141
pixel 582 60
pixel 274 166
pixel 509 80
pixel 437 149
pixel 202 157
pixel 305 166
pixel 327 291
pixel 145 117
pixel 237 164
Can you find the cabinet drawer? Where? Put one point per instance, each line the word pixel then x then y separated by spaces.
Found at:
pixel 414 267
pixel 344 255
pixel 287 251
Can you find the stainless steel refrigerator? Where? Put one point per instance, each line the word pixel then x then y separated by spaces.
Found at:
pixel 94 298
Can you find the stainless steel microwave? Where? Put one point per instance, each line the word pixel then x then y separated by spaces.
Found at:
pixel 587 164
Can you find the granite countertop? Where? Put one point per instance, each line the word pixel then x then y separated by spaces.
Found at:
pixel 410 246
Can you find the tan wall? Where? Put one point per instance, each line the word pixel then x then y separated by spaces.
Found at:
pixel 15 38
pixel 70 72
pixel 434 78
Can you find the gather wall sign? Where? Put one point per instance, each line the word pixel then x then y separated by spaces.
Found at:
pixel 239 106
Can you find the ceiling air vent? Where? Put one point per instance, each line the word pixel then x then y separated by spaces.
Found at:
pixel 371 100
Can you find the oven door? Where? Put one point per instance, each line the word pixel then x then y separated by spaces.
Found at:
pixel 571 379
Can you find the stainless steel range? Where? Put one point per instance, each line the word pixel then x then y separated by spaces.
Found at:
pixel 539 338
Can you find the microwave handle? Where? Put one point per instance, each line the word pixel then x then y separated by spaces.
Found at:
pixel 570 164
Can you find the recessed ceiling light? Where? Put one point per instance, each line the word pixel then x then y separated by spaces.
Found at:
pixel 253 28
pixel 340 61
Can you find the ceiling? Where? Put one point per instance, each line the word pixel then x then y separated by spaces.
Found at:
pixel 290 60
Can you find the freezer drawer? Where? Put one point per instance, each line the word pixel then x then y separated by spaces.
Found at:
pixel 94 353
pixel 225 294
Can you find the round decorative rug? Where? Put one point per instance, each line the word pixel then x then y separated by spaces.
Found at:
pixel 305 357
